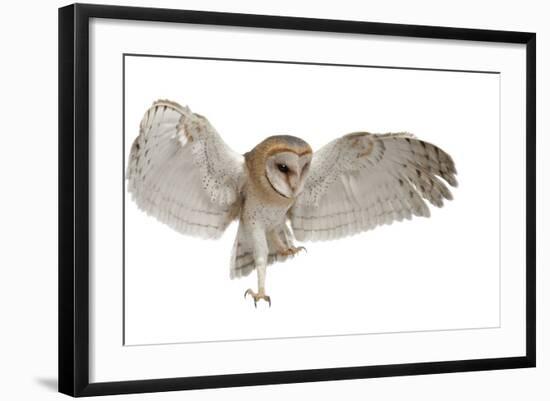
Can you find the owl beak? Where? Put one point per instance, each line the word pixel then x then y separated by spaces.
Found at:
pixel 296 190
pixel 295 186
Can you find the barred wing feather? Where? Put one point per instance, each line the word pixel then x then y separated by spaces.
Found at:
pixel 181 172
pixel 362 180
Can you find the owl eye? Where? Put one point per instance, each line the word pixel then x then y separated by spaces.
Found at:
pixel 283 168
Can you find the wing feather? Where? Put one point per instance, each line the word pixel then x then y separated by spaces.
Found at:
pixel 363 180
pixel 181 172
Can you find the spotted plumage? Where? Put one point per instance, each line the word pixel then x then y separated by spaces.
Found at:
pixel 181 172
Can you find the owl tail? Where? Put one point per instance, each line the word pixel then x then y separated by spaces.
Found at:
pixel 242 259
pixel 242 256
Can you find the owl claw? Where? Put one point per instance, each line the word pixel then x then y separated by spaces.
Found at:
pixel 257 296
pixel 292 251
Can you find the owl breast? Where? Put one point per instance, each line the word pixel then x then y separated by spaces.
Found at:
pixel 257 212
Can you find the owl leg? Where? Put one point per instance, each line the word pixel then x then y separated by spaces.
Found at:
pixel 283 248
pixel 261 251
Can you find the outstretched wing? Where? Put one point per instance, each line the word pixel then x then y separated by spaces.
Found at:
pixel 181 172
pixel 362 180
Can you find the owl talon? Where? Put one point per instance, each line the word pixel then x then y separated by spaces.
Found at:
pixel 257 296
pixel 292 251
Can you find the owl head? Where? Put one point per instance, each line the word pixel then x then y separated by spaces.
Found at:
pixel 279 165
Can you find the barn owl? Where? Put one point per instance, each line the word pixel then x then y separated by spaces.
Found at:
pixel 182 172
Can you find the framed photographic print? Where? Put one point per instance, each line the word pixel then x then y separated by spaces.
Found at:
pixel 198 151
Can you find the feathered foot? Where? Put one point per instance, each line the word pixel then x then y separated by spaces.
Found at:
pixel 291 251
pixel 256 296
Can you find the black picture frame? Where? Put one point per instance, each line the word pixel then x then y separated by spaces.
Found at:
pixel 74 198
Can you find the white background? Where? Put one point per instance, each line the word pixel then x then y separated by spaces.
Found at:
pixel 404 277
pixel 29 210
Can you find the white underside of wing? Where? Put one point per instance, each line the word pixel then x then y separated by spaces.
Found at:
pixel 167 181
pixel 354 205
pixel 172 194
pixel 362 181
